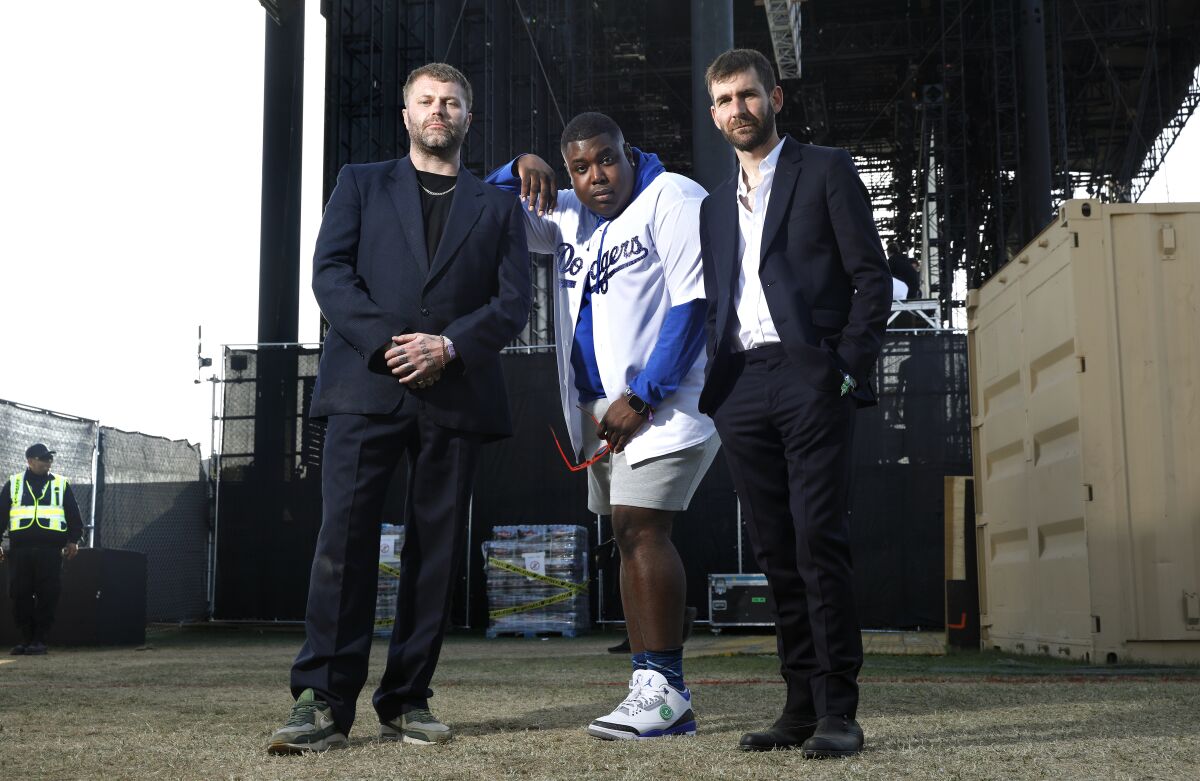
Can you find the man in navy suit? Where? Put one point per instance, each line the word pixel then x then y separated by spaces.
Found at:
pixel 423 274
pixel 798 297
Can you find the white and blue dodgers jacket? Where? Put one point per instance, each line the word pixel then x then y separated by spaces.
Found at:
pixel 638 266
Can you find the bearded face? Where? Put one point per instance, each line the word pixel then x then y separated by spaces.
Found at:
pixel 440 133
pixel 744 111
pixel 436 116
pixel 746 131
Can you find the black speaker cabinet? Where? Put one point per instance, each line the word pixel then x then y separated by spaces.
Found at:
pixel 103 601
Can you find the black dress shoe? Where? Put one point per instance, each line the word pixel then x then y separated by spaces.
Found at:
pixel 35 649
pixel 835 736
pixel 621 647
pixel 782 735
pixel 18 650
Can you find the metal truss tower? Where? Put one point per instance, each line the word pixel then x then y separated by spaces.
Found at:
pixel 931 100
pixel 516 54
pixel 927 96
pixel 783 22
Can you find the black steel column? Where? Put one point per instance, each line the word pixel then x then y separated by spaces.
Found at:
pixel 283 104
pixel 279 248
pixel 499 127
pixel 1035 121
pixel 712 34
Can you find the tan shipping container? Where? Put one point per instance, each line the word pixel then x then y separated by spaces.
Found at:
pixel 1085 415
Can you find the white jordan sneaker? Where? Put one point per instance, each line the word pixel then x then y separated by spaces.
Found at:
pixel 652 709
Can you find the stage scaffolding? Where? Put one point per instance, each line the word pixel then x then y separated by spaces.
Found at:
pixel 930 98
pixel 519 57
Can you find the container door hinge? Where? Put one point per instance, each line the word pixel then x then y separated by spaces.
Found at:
pixel 1087 492
pixel 1082 364
pixel 1191 610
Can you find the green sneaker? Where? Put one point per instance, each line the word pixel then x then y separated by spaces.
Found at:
pixel 309 728
pixel 417 726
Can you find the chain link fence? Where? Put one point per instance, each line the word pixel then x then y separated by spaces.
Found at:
pixel 153 499
pixel 72 439
pixel 135 492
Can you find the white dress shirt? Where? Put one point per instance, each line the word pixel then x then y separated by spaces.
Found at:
pixel 755 327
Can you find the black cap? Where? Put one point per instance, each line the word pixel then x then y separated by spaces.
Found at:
pixel 38 451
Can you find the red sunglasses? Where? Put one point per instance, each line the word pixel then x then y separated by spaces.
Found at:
pixel 601 453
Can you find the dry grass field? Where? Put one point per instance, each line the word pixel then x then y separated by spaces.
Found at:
pixel 200 703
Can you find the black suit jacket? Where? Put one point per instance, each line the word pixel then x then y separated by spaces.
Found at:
pixel 822 267
pixel 373 279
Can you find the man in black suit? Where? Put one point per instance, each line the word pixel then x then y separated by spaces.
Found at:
pixel 423 274
pixel 798 297
pixel 905 270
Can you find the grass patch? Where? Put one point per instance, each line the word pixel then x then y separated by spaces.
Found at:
pixel 201 703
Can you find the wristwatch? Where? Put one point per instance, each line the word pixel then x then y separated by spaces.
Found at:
pixel 636 403
pixel 848 383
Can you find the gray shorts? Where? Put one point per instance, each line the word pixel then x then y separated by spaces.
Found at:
pixel 665 482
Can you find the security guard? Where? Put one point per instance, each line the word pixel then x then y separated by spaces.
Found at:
pixel 43 526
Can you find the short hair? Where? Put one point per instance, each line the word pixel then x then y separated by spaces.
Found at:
pixel 440 71
pixel 733 62
pixel 587 125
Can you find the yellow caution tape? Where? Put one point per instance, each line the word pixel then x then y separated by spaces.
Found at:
pixel 386 569
pixel 508 611
pixel 569 590
pixel 579 588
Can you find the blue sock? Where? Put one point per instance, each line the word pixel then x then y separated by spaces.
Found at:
pixel 670 664
pixel 639 661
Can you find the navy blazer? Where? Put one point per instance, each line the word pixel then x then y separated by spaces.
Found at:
pixel 822 266
pixel 373 279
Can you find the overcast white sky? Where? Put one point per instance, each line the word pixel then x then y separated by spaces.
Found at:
pixel 130 169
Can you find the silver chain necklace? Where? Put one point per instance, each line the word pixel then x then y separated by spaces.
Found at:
pixel 444 192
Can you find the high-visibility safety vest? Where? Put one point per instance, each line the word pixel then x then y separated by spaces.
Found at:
pixel 47 509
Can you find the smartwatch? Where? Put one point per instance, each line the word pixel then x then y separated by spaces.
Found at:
pixel 636 403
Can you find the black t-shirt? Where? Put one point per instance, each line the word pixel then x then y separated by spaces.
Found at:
pixel 435 208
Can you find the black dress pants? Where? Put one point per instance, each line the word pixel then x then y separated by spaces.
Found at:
pixel 787 444
pixel 361 454
pixel 35 582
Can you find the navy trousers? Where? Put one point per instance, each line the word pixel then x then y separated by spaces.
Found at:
pixel 361 454
pixel 788 449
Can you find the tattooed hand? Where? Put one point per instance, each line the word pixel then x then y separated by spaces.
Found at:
pixel 416 360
